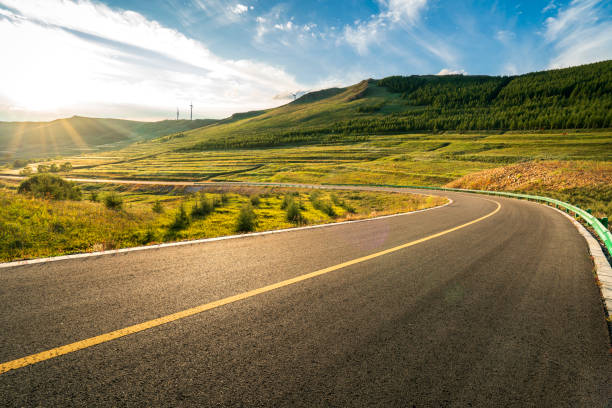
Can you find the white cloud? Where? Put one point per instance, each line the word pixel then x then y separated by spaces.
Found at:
pixel 404 10
pixel 505 36
pixel 363 35
pixel 579 34
pixel 550 6
pixel 288 26
pixel 239 9
pixel 448 71
pixel 90 56
pixel 393 13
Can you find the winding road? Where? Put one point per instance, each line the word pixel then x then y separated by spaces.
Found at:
pixel 487 302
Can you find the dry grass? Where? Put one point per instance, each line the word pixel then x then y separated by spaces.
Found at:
pixel 548 175
pixel 587 184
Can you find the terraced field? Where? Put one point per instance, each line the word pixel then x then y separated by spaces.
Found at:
pixel 421 159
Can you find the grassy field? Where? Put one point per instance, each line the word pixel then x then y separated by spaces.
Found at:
pixel 426 159
pixel 32 227
pixel 408 159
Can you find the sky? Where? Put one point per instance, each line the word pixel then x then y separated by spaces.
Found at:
pixel 144 59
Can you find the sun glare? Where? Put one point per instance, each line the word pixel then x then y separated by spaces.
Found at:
pixel 53 69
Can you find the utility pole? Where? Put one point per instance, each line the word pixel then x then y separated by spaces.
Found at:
pixel 191 113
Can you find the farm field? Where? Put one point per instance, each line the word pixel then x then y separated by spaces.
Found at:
pixel 35 227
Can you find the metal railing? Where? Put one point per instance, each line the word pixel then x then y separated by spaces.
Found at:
pixel 599 225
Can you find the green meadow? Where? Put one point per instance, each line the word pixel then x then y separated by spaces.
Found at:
pixel 418 159
pixel 111 216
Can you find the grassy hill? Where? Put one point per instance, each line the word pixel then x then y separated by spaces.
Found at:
pixel 572 98
pixel 80 135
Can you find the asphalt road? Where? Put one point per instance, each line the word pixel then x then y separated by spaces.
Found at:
pixel 503 312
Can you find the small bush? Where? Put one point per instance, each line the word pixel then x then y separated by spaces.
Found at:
pixel 203 206
pixel 113 201
pixel 336 200
pixel 294 213
pixel 349 208
pixel 224 198
pixel 322 206
pixel 158 207
pixel 288 199
pixel 66 167
pixel 50 186
pixel 246 219
pixel 94 197
pixel 26 171
pixel 54 168
pixel 20 163
pixel 181 219
pixel 149 236
pixel 43 168
pixel 255 200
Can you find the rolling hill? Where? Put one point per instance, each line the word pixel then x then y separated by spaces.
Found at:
pixel 81 135
pixel 571 98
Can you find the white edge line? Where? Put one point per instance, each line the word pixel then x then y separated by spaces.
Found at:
pixel 204 240
pixel 602 267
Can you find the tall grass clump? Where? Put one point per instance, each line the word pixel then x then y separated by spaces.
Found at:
pixel 321 205
pixel 181 219
pixel 158 207
pixel 51 187
pixel 294 213
pixel 255 200
pixel 203 206
pixel 113 201
pixel 246 219
pixel 342 203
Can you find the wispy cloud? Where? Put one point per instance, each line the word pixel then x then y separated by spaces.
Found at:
pixel 395 15
pixel 362 35
pixel 550 6
pixel 90 55
pixel 403 10
pixel 223 12
pixel 505 36
pixel 580 33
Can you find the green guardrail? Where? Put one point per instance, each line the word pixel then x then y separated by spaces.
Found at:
pixel 598 225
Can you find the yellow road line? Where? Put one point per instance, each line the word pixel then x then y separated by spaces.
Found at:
pixel 103 338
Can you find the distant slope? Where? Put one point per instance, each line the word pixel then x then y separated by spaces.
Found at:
pixel 572 98
pixel 81 134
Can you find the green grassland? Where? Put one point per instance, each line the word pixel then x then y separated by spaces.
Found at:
pixel 33 227
pixel 408 159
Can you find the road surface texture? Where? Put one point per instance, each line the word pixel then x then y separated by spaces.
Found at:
pixel 503 312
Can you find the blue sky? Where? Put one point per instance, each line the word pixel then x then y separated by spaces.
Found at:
pixel 142 59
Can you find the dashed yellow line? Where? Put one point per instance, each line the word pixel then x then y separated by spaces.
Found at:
pixel 103 338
